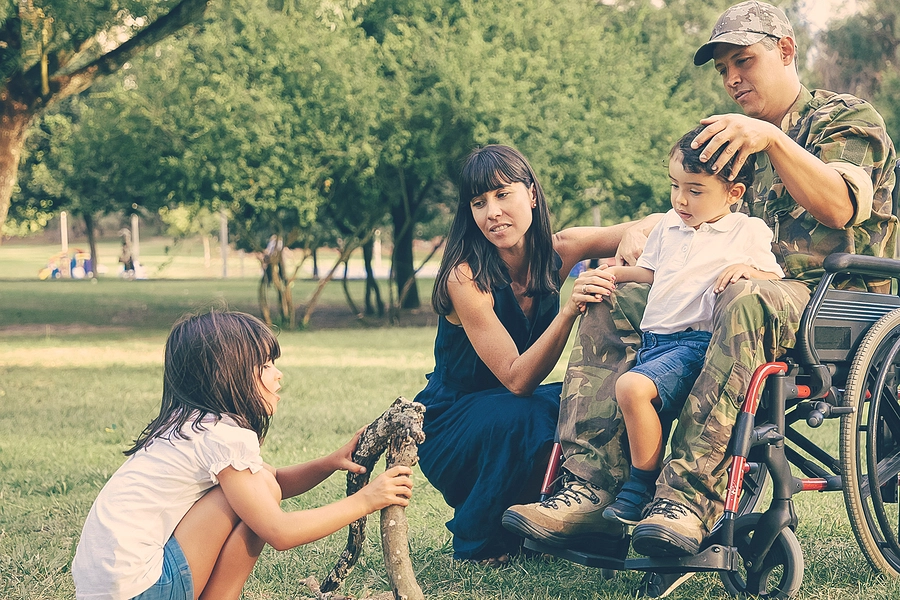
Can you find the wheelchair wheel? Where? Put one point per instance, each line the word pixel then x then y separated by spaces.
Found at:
pixel 782 570
pixel 870 445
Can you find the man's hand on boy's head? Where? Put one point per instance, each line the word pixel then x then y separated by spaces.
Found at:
pixel 741 134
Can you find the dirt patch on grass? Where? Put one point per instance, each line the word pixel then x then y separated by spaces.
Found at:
pixel 340 317
pixel 33 330
pixel 324 317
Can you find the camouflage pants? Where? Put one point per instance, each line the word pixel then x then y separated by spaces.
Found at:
pixel 755 321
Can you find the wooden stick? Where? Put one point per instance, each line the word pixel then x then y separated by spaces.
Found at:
pixel 402 421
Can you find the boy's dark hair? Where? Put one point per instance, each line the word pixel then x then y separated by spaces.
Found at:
pixel 486 169
pixel 212 366
pixel 690 161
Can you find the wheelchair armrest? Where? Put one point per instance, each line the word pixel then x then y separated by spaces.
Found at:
pixel 863 265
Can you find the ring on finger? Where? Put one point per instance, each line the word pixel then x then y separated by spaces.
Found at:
pixel 584 289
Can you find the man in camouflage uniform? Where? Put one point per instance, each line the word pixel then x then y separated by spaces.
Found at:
pixel 824 181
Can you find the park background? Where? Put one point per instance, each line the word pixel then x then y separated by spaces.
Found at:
pixel 337 127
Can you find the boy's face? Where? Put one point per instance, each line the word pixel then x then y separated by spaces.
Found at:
pixel 699 197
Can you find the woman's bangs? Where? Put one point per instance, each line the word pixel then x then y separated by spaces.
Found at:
pixel 487 172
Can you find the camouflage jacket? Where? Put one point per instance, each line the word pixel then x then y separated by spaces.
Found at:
pixel 849 134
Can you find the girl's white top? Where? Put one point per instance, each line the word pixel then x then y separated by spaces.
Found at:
pixel 120 553
pixel 686 263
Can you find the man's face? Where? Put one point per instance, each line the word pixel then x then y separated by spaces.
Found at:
pixel 760 80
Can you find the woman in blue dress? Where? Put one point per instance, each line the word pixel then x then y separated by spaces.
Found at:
pixel 489 422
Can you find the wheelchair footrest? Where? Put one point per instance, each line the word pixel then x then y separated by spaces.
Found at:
pixel 589 557
pixel 713 558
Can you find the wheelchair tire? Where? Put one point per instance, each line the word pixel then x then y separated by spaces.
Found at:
pixel 782 572
pixel 870 445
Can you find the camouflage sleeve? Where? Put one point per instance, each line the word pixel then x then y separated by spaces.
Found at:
pixel 852 138
pixel 859 184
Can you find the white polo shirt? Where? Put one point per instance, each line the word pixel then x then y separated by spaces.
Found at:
pixel 686 262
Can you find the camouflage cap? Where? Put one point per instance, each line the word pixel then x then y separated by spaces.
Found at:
pixel 745 24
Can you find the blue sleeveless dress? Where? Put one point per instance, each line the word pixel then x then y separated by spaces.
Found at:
pixel 482 441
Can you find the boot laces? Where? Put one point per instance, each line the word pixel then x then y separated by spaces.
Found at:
pixel 573 488
pixel 667 508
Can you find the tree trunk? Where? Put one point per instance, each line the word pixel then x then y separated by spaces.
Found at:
pixel 347 296
pixel 372 283
pixel 314 300
pixel 14 120
pixel 263 298
pixel 402 256
pixel 92 243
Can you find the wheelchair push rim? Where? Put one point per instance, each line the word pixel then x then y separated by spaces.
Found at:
pixel 870 445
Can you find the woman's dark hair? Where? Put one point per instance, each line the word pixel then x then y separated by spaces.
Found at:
pixel 690 161
pixel 212 366
pixel 484 170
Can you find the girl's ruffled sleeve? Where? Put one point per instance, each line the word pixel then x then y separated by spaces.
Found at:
pixel 231 446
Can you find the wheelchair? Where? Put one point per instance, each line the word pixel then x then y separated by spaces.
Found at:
pixel 846 366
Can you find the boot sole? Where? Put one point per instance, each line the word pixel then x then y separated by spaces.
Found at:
pixel 656 540
pixel 519 525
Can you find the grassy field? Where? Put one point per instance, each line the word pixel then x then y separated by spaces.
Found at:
pixel 80 375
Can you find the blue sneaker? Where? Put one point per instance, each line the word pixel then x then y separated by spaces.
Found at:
pixel 629 505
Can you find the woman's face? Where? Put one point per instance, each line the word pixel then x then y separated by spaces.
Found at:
pixel 504 215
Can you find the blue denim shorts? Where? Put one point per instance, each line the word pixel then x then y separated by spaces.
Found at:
pixel 672 362
pixel 175 583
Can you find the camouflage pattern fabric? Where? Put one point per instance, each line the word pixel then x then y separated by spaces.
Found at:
pixel 745 24
pixel 755 321
pixel 837 128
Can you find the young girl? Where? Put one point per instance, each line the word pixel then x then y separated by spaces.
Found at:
pixel 698 249
pixel 489 422
pixel 189 512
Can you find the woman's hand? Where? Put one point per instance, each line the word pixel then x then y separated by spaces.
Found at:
pixel 592 285
pixel 342 458
pixel 394 486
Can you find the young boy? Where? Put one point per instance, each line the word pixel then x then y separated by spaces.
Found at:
pixel 693 253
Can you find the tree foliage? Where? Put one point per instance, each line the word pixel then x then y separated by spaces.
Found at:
pixel 861 55
pixel 54 49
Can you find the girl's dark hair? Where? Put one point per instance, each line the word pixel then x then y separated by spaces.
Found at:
pixel 487 169
pixel 212 366
pixel 690 161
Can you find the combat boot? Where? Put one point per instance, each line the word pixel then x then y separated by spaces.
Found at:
pixel 571 518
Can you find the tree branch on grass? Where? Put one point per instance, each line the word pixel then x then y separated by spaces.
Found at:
pixel 399 432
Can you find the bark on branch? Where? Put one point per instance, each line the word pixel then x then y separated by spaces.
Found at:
pixel 399 432
pixel 186 12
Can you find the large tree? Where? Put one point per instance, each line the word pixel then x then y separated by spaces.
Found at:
pixel 53 49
